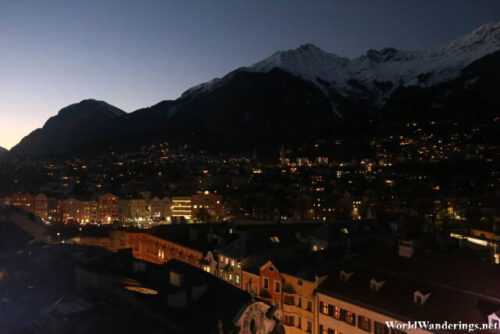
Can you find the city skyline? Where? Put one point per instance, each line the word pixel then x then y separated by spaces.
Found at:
pixel 133 55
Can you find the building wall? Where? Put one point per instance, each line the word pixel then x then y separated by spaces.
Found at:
pixel 332 306
pixel 109 208
pixel 230 270
pixel 71 210
pixel 42 207
pixel 23 201
pixel 250 282
pixel 104 242
pixel 153 249
pixel 146 247
pixel 181 208
pixel 299 301
pixel 274 285
pixel 206 203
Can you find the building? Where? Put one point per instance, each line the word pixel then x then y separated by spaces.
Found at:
pixel 71 210
pixel 154 249
pixel 88 212
pixel 251 247
pixel 207 207
pixel 134 209
pixel 271 285
pixel 362 294
pixel 344 234
pixel 299 302
pixel 109 208
pixel 181 208
pixel 54 210
pixel 160 208
pixel 289 283
pixel 182 298
pixel 42 207
pixel 23 201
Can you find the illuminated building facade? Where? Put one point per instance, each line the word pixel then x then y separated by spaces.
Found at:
pixel 299 303
pixel 181 208
pixel 23 201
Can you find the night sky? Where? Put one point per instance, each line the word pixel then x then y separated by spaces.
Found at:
pixel 136 53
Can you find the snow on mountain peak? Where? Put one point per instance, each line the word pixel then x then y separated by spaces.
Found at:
pixel 399 67
pixel 308 61
pixel 388 65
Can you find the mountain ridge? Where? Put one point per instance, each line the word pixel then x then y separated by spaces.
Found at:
pixel 72 124
pixel 3 152
pixel 268 103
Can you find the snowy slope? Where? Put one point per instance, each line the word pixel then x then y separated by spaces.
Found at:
pixel 399 67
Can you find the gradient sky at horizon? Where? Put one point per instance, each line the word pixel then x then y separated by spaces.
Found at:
pixel 135 53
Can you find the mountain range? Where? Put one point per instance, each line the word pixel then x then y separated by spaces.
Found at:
pixel 294 97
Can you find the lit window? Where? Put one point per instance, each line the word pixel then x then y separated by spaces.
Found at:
pixel 337 313
pixel 323 307
pixel 350 318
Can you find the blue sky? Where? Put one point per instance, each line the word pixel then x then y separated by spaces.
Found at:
pixel 135 53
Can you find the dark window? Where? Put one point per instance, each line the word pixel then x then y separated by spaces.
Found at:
pixel 309 305
pixel 289 320
pixel 380 328
pixel 342 314
pixel 289 300
pixel 266 283
pixel 364 323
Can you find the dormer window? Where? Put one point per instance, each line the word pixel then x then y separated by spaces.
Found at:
pixel 345 276
pixel 494 319
pixel 375 285
pixel 420 298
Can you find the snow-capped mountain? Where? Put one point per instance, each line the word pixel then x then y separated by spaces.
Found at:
pixel 389 65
